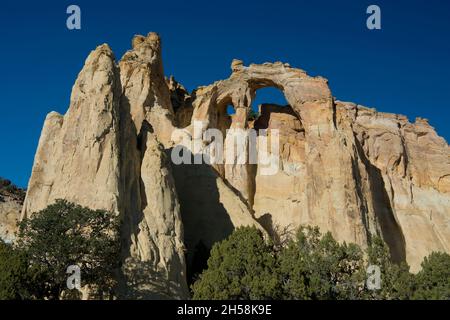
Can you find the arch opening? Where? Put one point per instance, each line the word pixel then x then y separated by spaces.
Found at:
pixel 269 95
pixel 230 110
pixel 269 98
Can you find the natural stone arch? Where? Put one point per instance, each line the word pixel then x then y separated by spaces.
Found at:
pixel 309 97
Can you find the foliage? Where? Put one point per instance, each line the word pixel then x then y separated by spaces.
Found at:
pixel 66 234
pixel 245 266
pixel 240 267
pixel 13 270
pixel 433 281
pixel 7 189
pixel 18 279
pixel 314 266
pixel 397 283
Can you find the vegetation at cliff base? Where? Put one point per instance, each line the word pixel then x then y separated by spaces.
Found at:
pixel 433 281
pixel 248 265
pixel 313 266
pixel 13 273
pixel 240 267
pixel 62 235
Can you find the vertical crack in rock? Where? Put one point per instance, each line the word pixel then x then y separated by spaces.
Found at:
pixel 154 265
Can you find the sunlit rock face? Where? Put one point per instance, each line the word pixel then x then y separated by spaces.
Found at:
pixel 106 153
pixel 348 169
pixel 343 167
pixel 409 166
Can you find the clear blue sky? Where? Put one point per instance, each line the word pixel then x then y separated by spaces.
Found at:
pixel 404 68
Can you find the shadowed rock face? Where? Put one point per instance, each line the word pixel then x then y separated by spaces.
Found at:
pixel 345 168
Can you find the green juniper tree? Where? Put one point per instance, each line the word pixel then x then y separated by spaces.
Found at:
pixel 66 234
pixel 314 266
pixel 433 281
pixel 13 273
pixel 396 280
pixel 241 267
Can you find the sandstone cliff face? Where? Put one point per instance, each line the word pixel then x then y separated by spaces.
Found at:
pixel 315 185
pixel 343 167
pixel 9 216
pixel 103 154
pixel 78 154
pixel 109 152
pixel 411 163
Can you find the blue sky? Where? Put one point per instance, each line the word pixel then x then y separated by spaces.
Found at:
pixel 403 68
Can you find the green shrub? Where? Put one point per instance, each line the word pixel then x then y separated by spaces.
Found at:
pixel 240 267
pixel 314 266
pixel 433 281
pixel 66 234
pixel 13 273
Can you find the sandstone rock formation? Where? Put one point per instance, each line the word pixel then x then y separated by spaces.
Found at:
pixel 11 201
pixel 343 167
pixel 108 152
pixel 412 164
pixel 78 154
pixel 102 154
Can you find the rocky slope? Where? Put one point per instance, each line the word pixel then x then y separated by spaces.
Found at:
pixel 11 201
pixel 346 168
